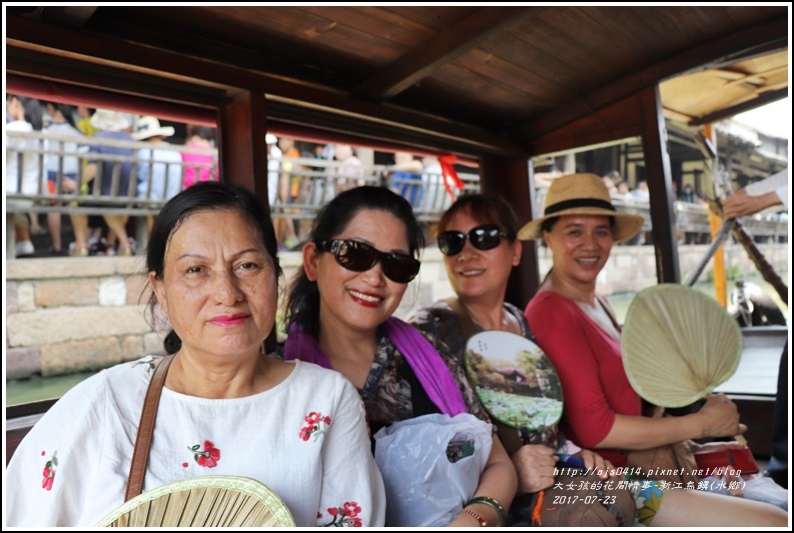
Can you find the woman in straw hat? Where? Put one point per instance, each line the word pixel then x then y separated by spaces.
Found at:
pixel 576 329
pixel 356 268
pixel 225 409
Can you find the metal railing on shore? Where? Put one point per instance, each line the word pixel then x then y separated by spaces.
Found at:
pixel 140 177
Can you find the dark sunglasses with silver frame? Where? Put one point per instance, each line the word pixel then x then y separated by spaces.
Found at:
pixel 359 257
pixel 484 237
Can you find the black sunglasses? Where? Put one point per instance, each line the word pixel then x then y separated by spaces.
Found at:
pixel 483 237
pixel 360 257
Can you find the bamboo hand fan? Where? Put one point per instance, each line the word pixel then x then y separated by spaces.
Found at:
pixel 678 345
pixel 205 501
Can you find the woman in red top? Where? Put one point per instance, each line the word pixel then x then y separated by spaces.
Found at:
pixel 576 330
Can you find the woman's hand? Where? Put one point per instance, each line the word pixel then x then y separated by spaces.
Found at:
pixel 719 417
pixel 535 468
pixel 594 462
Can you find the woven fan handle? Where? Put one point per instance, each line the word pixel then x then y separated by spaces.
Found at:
pixel 143 440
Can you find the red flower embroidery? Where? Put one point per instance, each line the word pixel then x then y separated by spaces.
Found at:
pixel 208 457
pixel 315 421
pixel 347 515
pixel 49 472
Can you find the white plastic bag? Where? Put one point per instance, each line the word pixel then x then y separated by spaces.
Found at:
pixel 425 487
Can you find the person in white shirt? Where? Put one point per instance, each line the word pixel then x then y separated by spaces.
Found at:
pixel 225 409
pixel 758 196
pixel 61 159
pixel 750 200
pixel 23 174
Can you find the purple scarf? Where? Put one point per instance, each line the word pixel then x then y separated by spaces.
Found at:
pixel 430 369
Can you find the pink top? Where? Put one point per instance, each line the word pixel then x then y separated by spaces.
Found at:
pixel 589 363
pixel 189 177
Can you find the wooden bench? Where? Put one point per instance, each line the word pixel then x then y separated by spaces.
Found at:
pixel 20 419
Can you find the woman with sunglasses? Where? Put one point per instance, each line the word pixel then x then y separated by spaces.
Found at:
pixel 477 236
pixel 356 267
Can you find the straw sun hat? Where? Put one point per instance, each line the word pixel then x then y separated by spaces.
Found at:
pixel 105 119
pixel 147 127
pixel 582 194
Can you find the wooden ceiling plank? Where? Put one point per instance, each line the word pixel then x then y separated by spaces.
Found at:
pixel 436 17
pixel 535 66
pixel 376 22
pixel 505 73
pixel 138 58
pixel 765 34
pixel 207 39
pixel 440 50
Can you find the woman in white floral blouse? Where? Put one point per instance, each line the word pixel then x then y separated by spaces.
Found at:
pixel 225 409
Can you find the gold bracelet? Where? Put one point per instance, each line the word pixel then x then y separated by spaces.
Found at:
pixel 477 517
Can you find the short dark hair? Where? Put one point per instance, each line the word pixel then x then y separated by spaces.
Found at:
pixel 205 196
pixel 484 208
pixel 204 132
pixel 303 299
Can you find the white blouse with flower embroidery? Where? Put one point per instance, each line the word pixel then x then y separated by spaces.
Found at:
pixel 306 439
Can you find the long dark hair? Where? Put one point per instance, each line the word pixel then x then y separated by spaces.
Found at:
pixel 303 300
pixel 205 196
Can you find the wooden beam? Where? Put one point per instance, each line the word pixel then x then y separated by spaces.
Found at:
pixel 770 35
pixel 660 186
pixel 618 121
pixel 320 118
pixel 444 48
pixel 36 64
pixel 728 112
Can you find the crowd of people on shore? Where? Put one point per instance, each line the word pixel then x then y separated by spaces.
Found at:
pixel 180 155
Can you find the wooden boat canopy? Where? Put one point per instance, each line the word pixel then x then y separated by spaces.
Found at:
pixel 492 85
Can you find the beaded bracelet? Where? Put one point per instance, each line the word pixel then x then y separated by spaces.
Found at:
pixel 477 517
pixel 490 502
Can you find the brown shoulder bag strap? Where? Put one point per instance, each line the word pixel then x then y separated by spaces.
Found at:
pixel 140 455
pixel 466 324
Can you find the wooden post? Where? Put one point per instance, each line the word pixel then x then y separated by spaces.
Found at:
pixel 242 151
pixel 660 186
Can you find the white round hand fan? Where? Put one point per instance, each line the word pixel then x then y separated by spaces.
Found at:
pixel 678 344
pixel 204 501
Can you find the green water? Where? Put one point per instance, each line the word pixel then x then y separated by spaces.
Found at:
pixel 39 388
